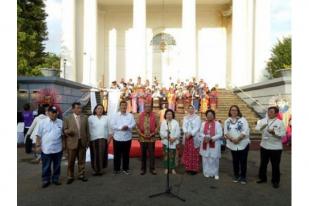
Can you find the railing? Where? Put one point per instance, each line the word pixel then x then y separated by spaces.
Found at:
pixel 264 109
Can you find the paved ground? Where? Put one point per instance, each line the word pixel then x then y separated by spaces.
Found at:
pixel 135 189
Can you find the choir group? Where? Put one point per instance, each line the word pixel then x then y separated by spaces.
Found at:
pixel 176 95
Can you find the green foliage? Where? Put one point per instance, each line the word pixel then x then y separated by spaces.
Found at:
pixel 31 33
pixel 51 61
pixel 280 58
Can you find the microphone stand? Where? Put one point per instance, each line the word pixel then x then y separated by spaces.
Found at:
pixel 168 188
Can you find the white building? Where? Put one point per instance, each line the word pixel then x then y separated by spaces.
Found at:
pixel 221 41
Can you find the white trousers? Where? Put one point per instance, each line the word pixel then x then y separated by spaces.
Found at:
pixel 210 166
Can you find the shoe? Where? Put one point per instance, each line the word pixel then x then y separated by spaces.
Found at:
pixel 143 172
pixel 276 185
pixel 70 180
pixel 56 183
pixel 243 181
pixel 153 172
pixel 166 171
pixel 83 178
pixel 236 179
pixel 261 181
pixel 97 174
pixel 216 177
pixel 207 176
pixel 116 172
pixel 174 172
pixel 45 184
pixel 126 172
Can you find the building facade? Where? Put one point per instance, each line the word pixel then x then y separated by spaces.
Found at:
pixel 224 42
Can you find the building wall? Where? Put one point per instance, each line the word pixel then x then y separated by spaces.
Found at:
pixel 211 36
pixel 67 91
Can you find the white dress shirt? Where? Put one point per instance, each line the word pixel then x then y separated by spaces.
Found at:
pixel 50 133
pixel 118 122
pixel 191 125
pixel 211 152
pixel 269 141
pixel 98 127
pixel 234 129
pixel 174 132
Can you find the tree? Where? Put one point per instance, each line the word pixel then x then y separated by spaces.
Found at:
pixel 31 33
pixel 280 58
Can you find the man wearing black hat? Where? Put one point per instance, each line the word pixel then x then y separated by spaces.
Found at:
pixel 49 142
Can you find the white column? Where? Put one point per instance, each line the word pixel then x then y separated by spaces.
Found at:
pixel 188 39
pixel 68 64
pixel 241 68
pixel 90 43
pixel 112 56
pixel 139 30
pixel 262 39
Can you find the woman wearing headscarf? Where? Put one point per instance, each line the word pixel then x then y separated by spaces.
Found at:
pixel 191 125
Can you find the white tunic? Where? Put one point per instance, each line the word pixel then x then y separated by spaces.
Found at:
pixel 113 101
pixel 174 132
pixel 33 130
pixel 120 120
pixel 191 125
pixel 269 141
pixel 234 129
pixel 211 152
pixel 98 127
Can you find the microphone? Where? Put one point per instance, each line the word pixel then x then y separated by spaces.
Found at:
pixel 168 130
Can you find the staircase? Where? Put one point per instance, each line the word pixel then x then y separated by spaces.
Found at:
pixel 226 98
pixel 87 109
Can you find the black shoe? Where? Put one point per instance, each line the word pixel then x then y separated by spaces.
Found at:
pixel 153 172
pixel 83 178
pixel 56 183
pixel 143 172
pixel 116 172
pixel 276 185
pixel 261 181
pixel 69 181
pixel 45 184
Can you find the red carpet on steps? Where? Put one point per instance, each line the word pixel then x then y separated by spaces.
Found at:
pixel 136 150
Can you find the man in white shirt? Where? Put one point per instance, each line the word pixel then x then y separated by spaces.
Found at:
pixel 271 145
pixel 49 138
pixel 121 125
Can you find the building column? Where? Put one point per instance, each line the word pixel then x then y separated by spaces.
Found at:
pixel 139 31
pixel 68 60
pixel 189 39
pixel 262 40
pixel 90 43
pixel 241 67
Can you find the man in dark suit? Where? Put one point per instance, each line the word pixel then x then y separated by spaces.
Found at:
pixel 75 128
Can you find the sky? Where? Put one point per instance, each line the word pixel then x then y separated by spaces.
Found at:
pixel 280 22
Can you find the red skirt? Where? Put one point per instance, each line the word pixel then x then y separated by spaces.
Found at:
pixel 191 156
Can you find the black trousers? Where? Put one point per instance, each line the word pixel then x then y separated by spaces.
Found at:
pixel 121 151
pixel 274 156
pixel 28 142
pixel 240 162
pixel 150 146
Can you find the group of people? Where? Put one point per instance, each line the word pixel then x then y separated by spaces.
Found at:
pixel 177 96
pixel 78 131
